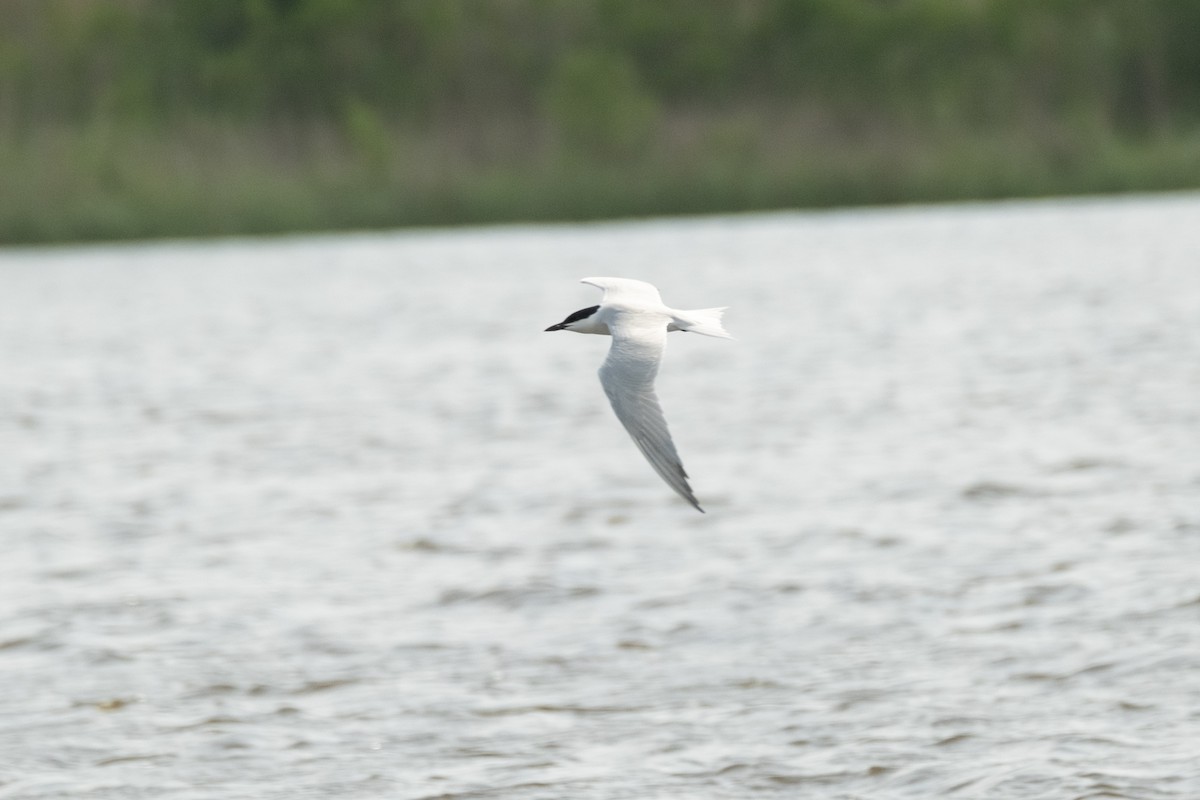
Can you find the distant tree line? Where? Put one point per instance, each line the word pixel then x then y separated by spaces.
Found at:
pixel 123 118
pixel 602 72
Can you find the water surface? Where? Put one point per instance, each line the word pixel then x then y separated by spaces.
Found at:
pixel 333 517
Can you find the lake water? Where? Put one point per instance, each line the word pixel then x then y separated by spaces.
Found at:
pixel 332 517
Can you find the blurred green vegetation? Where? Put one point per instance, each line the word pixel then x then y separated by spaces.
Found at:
pixel 133 118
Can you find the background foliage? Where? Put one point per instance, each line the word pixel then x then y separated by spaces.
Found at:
pixel 124 118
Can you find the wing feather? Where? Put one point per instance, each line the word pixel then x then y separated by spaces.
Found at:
pixel 627 375
pixel 626 290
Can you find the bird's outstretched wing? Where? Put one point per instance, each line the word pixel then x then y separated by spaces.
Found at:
pixel 627 376
pixel 626 291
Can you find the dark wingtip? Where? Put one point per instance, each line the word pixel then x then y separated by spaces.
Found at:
pixel 557 327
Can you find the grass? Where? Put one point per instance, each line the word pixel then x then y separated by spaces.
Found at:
pixel 202 177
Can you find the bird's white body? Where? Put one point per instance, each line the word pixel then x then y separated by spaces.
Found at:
pixel 634 315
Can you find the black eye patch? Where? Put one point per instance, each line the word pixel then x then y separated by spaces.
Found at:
pixel 582 313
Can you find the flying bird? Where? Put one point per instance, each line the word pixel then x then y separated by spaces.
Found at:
pixel 633 314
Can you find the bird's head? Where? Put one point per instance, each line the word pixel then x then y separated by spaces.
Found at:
pixel 582 321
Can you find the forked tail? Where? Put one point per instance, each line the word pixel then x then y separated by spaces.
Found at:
pixel 706 321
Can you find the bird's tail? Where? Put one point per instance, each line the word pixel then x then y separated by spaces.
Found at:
pixel 706 321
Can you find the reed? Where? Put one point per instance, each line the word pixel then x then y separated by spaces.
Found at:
pixel 67 184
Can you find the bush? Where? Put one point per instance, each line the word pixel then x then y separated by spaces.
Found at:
pixel 599 106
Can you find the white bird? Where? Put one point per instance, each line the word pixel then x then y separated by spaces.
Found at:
pixel 633 314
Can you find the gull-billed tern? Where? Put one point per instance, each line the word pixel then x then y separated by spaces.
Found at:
pixel 633 314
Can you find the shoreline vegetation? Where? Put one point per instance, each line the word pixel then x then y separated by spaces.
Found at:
pixel 124 119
